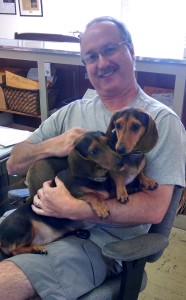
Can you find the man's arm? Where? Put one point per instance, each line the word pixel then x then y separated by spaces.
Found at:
pixel 147 207
pixel 26 153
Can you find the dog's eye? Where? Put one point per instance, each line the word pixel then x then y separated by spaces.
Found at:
pixel 117 126
pixel 135 127
pixel 94 152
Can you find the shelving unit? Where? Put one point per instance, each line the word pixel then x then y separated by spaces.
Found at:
pixel 69 54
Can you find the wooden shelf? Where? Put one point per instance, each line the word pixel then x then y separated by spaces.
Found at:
pixel 19 113
pixel 169 74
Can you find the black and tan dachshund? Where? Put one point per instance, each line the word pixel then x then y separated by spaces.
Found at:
pixel 133 133
pixel 87 173
pixel 84 173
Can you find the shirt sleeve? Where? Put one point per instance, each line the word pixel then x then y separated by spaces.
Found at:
pixel 51 127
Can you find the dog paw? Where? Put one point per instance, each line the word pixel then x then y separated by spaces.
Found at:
pixel 122 196
pixel 101 210
pixel 39 250
pixel 149 184
pixel 123 200
pixel 153 187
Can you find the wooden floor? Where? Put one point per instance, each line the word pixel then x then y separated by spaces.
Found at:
pixel 167 277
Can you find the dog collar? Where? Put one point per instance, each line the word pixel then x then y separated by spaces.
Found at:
pixel 98 178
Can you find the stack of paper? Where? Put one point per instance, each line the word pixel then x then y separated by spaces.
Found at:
pixel 10 136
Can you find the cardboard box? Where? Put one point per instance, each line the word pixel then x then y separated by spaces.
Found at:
pixel 149 90
pixel 165 96
pixel 2 99
pixel 20 82
pixel 18 71
pixel 2 76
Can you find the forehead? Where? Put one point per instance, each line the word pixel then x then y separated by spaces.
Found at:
pixel 99 34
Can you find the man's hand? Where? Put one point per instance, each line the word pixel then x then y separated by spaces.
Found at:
pixel 145 207
pixel 61 145
pixel 56 201
pixel 26 153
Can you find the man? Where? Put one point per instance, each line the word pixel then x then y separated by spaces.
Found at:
pixel 74 266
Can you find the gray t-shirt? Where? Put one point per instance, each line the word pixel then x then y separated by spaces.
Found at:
pixel 165 163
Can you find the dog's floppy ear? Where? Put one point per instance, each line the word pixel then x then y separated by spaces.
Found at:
pixel 78 155
pixel 111 126
pixel 82 144
pixel 150 137
pixel 77 163
pixel 118 114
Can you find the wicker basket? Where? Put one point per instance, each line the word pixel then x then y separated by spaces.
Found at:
pixel 182 204
pixel 27 101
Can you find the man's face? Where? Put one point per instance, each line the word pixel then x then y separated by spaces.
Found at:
pixel 110 75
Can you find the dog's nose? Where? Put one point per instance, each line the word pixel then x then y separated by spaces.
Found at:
pixel 121 150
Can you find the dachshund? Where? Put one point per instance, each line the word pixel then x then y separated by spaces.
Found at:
pixel 87 172
pixel 133 133
pixel 84 172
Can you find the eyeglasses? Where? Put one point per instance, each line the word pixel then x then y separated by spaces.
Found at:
pixel 106 51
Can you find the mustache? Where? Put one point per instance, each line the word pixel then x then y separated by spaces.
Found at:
pixel 107 70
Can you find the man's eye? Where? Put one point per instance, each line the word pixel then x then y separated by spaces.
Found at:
pixel 92 56
pixel 109 50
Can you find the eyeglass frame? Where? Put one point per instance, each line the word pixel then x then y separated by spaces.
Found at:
pixel 101 52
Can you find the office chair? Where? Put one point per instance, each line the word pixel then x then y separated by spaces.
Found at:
pixel 17 196
pixel 50 37
pixel 133 253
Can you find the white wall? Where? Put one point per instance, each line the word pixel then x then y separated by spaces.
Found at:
pixel 158 27
pixel 59 16
pixel 152 23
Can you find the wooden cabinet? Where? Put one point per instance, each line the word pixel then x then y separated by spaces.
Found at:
pixel 73 78
pixel 72 84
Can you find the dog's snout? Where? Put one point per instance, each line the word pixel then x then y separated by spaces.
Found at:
pixel 121 150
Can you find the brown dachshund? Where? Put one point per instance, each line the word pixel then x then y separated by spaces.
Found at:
pixel 85 174
pixel 133 133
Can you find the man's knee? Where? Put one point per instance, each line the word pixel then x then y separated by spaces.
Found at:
pixel 13 282
pixel 8 268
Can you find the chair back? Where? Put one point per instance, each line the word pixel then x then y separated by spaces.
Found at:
pixel 46 37
pixel 166 224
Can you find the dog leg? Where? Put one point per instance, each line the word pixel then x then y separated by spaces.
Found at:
pixel 121 191
pixel 97 204
pixel 146 182
pixel 34 249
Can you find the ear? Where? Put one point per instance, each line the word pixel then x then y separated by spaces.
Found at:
pixel 111 126
pixel 77 163
pixel 78 156
pixel 150 137
pixel 82 144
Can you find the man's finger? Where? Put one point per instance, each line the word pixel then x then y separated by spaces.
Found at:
pixel 38 210
pixel 59 182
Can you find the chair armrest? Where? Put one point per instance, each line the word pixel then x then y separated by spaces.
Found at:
pixel 21 193
pixel 136 248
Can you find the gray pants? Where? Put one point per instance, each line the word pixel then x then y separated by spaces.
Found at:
pixel 72 267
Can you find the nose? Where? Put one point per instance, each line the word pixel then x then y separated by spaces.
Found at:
pixel 102 60
pixel 121 150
